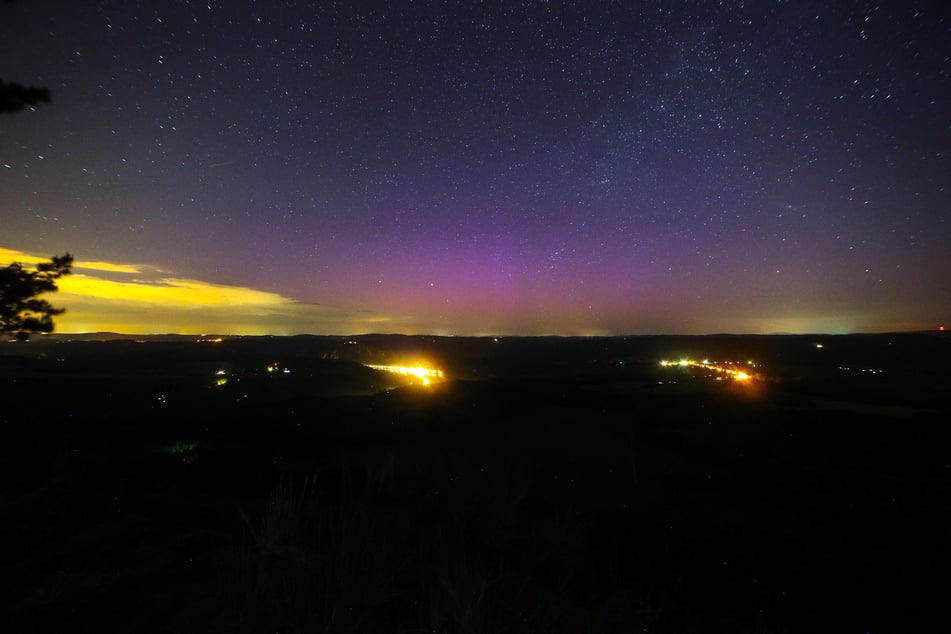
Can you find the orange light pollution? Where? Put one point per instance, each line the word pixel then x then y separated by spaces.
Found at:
pixel 425 374
pixel 728 368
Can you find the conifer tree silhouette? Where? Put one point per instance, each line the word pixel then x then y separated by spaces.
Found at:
pixel 21 312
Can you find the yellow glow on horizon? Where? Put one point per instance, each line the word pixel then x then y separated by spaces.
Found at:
pixel 148 300
pixel 169 292
pixel 109 266
pixel 8 256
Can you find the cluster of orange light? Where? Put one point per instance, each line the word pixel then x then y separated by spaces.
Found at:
pixel 426 375
pixel 727 367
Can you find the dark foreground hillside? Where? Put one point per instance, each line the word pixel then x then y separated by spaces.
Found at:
pixel 549 485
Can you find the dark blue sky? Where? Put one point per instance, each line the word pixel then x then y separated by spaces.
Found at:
pixel 498 167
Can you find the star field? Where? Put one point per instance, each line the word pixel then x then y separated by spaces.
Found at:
pixel 499 167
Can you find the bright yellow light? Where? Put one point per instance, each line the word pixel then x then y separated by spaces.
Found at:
pixel 12 255
pixel 169 291
pixel 426 375
pixel 221 381
pixel 722 368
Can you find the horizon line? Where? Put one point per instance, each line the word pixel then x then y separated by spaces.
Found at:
pixel 486 336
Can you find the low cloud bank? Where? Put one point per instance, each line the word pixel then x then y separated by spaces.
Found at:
pixel 142 299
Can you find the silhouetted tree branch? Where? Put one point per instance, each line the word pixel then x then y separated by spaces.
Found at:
pixel 20 311
pixel 15 97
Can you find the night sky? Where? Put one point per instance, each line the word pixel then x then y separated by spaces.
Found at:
pixel 573 168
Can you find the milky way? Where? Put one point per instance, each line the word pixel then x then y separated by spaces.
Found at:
pixel 498 167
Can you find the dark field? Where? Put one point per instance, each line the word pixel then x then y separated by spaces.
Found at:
pixel 548 485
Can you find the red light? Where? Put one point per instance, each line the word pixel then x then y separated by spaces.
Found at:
pixel 940 327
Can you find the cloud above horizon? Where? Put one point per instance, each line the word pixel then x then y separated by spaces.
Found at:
pixel 146 299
